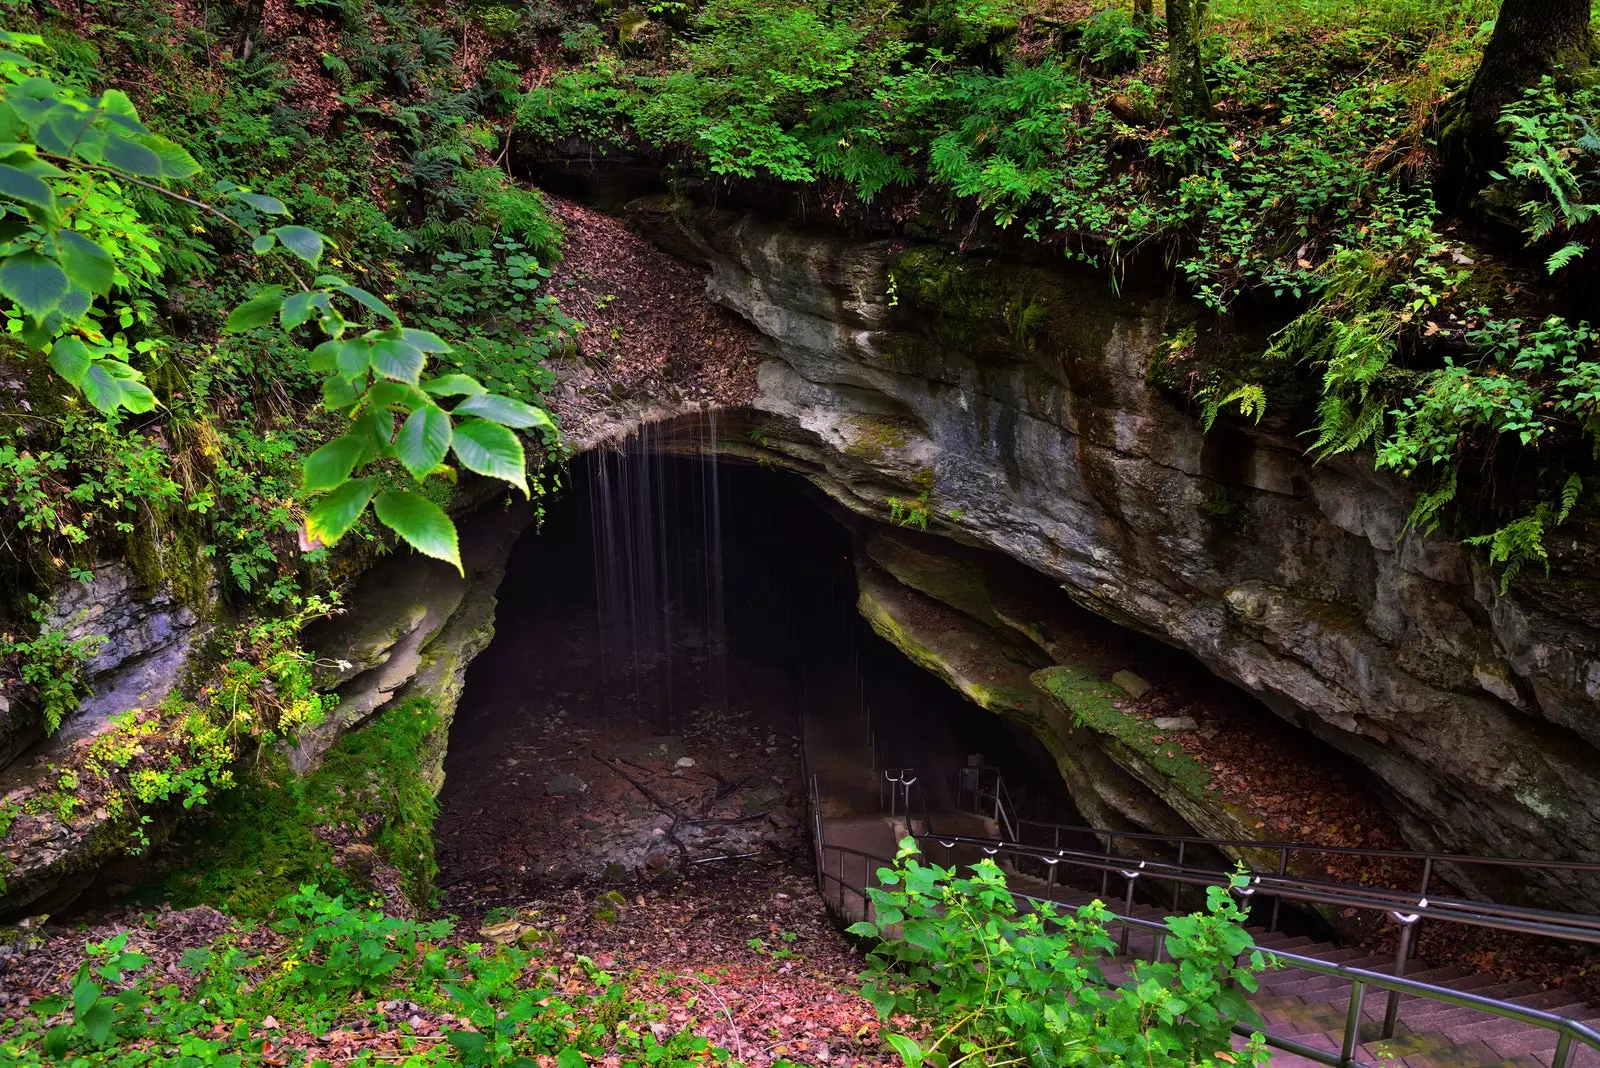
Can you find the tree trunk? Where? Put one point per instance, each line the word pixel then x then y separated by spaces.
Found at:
pixel 1186 78
pixel 1144 11
pixel 1531 38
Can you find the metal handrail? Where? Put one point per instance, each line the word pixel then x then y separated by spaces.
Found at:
pixel 1567 1029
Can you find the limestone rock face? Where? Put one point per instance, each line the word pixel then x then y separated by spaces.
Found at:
pixel 1013 407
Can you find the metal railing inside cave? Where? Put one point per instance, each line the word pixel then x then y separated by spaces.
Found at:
pixel 846 892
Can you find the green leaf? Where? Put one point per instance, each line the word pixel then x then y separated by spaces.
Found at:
pixel 882 999
pixel 454 385
pixel 506 411
pixel 259 310
pixel 263 244
pixel 136 396
pixel 424 440
pixel 20 185
pixel 34 282
pixel 132 157
pixel 490 449
pixel 332 464
pixel 175 162
pixel 424 340
pixel 338 394
pixel 325 357
pixel 298 308
pixel 103 389
pixel 262 203
pixel 302 241
pixel 97 1021
pixel 863 928
pixel 422 523
pixel 908 1049
pixel 338 511
pixel 355 356
pixel 86 263
pixel 397 359
pixel 570 1058
pixel 70 359
pixel 367 300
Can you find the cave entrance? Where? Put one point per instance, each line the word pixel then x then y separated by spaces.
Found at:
pixel 663 643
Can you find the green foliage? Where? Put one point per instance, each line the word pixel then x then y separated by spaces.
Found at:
pixel 997 984
pixel 912 513
pixel 52 663
pixel 67 234
pixel 273 833
pixel 243 1006
pixel 339 951
pixel 1552 168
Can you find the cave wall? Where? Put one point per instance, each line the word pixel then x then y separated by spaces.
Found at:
pixel 1017 401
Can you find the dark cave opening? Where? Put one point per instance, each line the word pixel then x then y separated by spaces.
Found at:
pixel 685 608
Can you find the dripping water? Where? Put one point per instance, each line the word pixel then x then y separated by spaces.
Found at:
pixel 658 578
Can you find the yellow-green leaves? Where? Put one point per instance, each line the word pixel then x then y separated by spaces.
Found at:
pixel 421 522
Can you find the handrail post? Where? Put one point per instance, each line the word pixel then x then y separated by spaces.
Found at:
pixel 1177 885
pixel 1427 876
pixel 1352 1024
pixel 1391 1012
pixel 1105 873
pixel 1277 899
pixel 1127 910
pixel 1563 1050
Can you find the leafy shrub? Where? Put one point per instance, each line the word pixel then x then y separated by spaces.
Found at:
pixel 52 662
pixel 999 985
pixel 341 950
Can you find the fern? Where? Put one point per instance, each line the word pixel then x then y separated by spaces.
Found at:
pixel 1565 255
pixel 1521 541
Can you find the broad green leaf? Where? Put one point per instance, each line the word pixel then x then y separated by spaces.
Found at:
pixel 338 511
pixel 300 240
pixel 116 106
pixel 103 389
pixel 332 464
pixel 506 411
pixel 367 300
pixel 396 394
pixel 259 310
pixel 36 283
pixel 355 356
pixel 10 122
pixel 422 339
pixel 97 1021
pixel 570 1058
pixel 454 385
pixel 132 157
pixel 86 263
pixel 70 359
pixel 397 359
pixel 490 449
pixel 325 357
pixel 298 308
pixel 20 185
pixel 908 1049
pixel 262 203
pixel 422 523
pixel 175 162
pixel 424 439
pixel 263 244
pixel 338 394
pixel 136 396
pixel 863 928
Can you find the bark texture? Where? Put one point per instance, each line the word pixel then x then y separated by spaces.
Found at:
pixel 1186 79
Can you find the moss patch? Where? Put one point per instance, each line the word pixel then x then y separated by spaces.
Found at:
pixel 1092 703
pixel 368 803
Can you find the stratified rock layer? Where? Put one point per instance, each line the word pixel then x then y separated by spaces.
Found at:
pixel 1013 407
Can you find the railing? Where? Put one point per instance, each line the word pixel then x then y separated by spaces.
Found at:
pixel 1406 910
pixel 1567 1030
pixel 992 802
